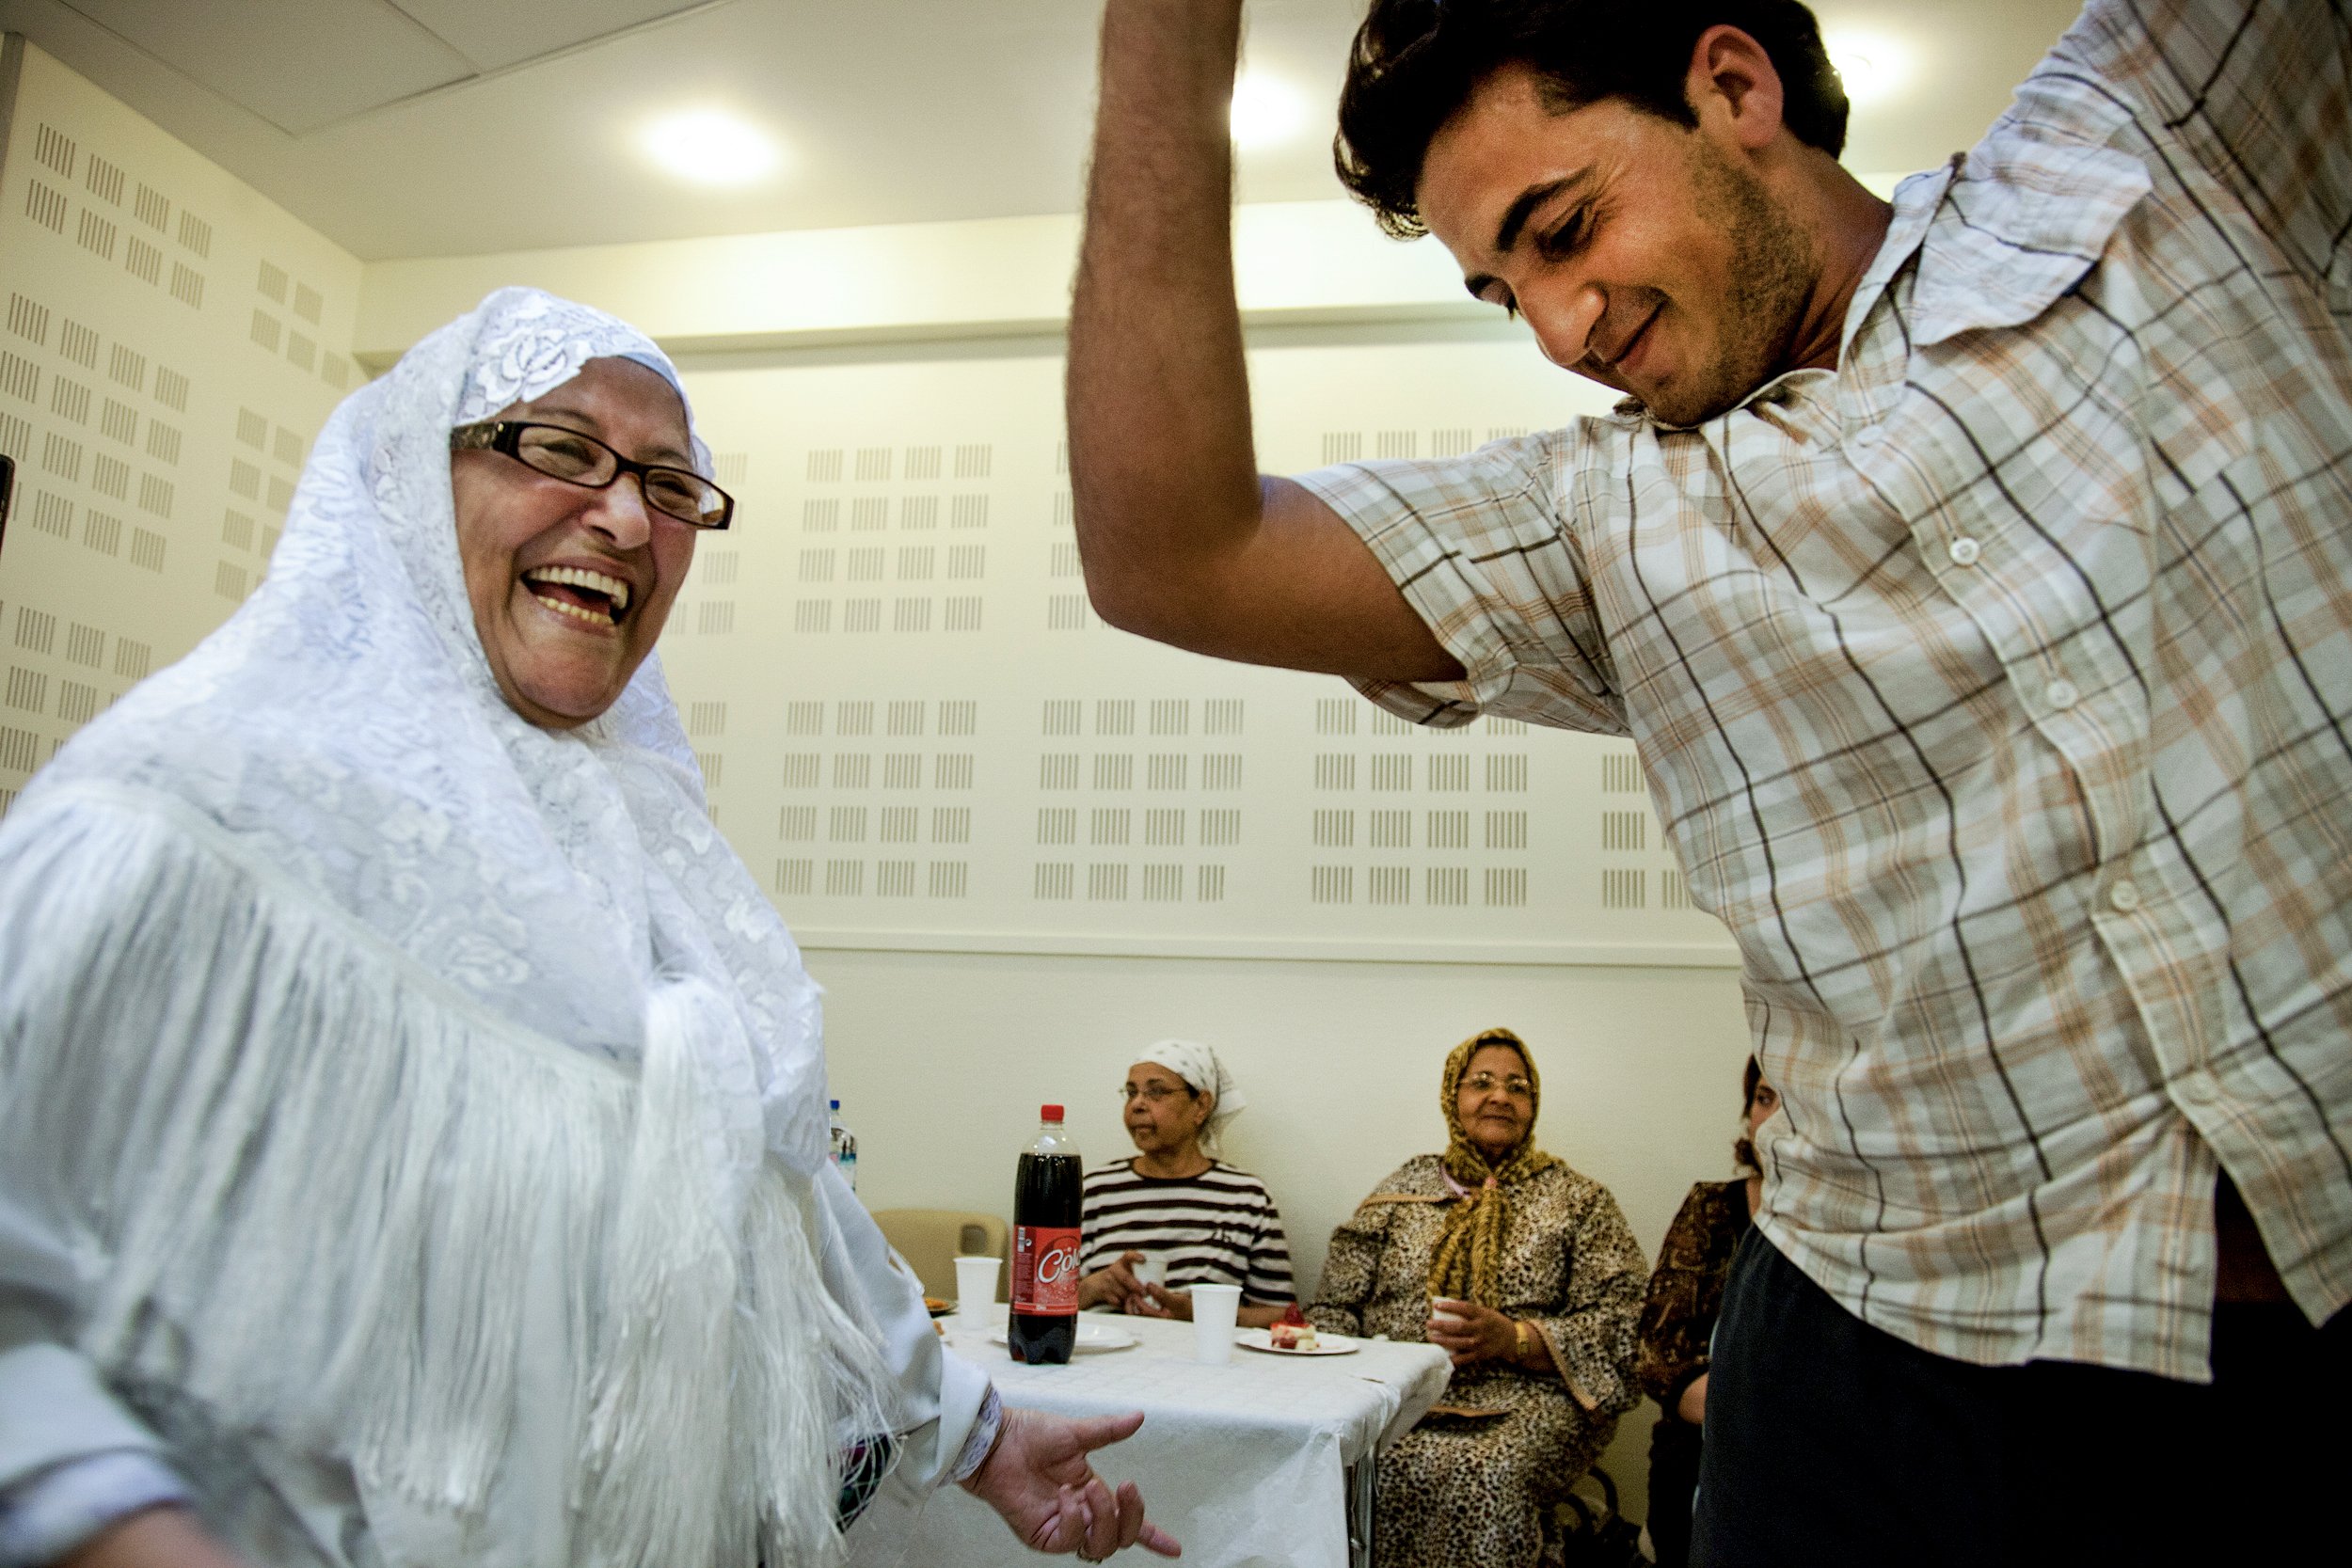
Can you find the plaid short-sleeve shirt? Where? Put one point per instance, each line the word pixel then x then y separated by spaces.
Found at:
pixel 1995 691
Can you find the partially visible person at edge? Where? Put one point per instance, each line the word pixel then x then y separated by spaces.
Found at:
pixel 1972 573
pixel 1207 1223
pixel 1526 1272
pixel 411 1149
pixel 1686 1294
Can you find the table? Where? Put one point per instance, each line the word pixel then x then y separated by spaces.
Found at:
pixel 1259 1464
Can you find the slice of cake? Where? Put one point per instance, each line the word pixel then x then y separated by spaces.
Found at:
pixel 1294 1332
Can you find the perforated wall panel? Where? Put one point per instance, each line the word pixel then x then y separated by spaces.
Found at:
pixel 172 344
pixel 932 740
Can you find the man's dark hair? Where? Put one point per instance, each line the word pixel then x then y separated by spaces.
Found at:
pixel 1416 62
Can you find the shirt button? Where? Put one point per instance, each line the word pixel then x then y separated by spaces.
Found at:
pixel 2197 1087
pixel 2061 694
pixel 1964 551
pixel 2124 895
pixel 1867 437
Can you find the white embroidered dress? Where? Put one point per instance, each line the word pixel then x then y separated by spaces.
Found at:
pixel 413 1116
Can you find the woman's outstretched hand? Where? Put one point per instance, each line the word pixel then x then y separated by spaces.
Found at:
pixel 1038 1477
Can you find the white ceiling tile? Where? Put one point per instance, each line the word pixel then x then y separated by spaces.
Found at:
pixel 494 37
pixel 299 64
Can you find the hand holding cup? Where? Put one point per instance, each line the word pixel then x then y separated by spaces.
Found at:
pixel 1158 1301
pixel 1471 1333
pixel 1115 1287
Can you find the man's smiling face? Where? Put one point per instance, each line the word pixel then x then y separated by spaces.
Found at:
pixel 1642 254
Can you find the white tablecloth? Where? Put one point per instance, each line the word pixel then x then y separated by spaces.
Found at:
pixel 1245 1464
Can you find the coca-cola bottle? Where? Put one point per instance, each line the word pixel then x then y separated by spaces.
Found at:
pixel 1045 1198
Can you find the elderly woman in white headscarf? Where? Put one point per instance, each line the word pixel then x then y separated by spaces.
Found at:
pixel 411 1149
pixel 1175 1216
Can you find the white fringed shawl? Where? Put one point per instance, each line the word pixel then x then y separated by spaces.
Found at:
pixel 421 1092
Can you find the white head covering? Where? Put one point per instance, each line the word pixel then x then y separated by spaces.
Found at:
pixel 1198 1065
pixel 384 940
pixel 346 724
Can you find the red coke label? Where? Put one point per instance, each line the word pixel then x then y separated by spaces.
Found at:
pixel 1045 1270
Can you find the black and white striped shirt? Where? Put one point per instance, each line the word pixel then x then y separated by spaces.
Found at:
pixel 1995 689
pixel 1219 1227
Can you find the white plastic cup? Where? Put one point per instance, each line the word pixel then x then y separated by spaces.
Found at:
pixel 1150 1269
pixel 1214 1308
pixel 975 1292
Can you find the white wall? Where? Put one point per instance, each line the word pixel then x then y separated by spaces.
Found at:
pixel 172 344
pixel 917 734
pixel 927 283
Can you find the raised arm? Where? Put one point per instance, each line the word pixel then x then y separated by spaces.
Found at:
pixel 2261 90
pixel 1182 539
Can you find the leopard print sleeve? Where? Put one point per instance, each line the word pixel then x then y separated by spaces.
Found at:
pixel 1351 1266
pixel 1590 1331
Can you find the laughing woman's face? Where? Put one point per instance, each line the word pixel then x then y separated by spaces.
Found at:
pixel 570 586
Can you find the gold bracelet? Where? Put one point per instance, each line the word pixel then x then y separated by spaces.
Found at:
pixel 1523 1331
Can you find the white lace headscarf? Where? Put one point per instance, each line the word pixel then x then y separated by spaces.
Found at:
pixel 353 1172
pixel 346 722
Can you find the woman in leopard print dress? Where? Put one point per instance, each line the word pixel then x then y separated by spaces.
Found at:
pixel 1527 1273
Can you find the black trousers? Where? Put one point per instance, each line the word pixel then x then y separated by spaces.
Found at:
pixel 1674 1477
pixel 1831 1443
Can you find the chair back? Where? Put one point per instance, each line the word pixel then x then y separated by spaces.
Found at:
pixel 930 1240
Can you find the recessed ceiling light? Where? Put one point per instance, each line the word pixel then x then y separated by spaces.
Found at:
pixel 1871 65
pixel 712 146
pixel 1265 111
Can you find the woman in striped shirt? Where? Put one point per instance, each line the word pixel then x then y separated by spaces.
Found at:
pixel 1175 1204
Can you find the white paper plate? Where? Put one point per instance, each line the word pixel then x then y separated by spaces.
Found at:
pixel 1091 1336
pixel 1326 1344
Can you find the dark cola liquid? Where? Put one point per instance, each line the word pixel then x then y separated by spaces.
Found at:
pixel 1043 1327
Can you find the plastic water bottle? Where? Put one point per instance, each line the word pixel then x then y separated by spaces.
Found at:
pixel 1044 1327
pixel 844 1148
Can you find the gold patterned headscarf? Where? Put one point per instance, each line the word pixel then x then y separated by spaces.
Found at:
pixel 1470 1248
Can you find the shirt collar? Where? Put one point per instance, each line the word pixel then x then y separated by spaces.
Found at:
pixel 2002 232
pixel 1915 201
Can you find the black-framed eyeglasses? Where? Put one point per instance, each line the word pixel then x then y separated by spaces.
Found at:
pixel 562 453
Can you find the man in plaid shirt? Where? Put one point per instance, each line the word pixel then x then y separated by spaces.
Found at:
pixel 1973 573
